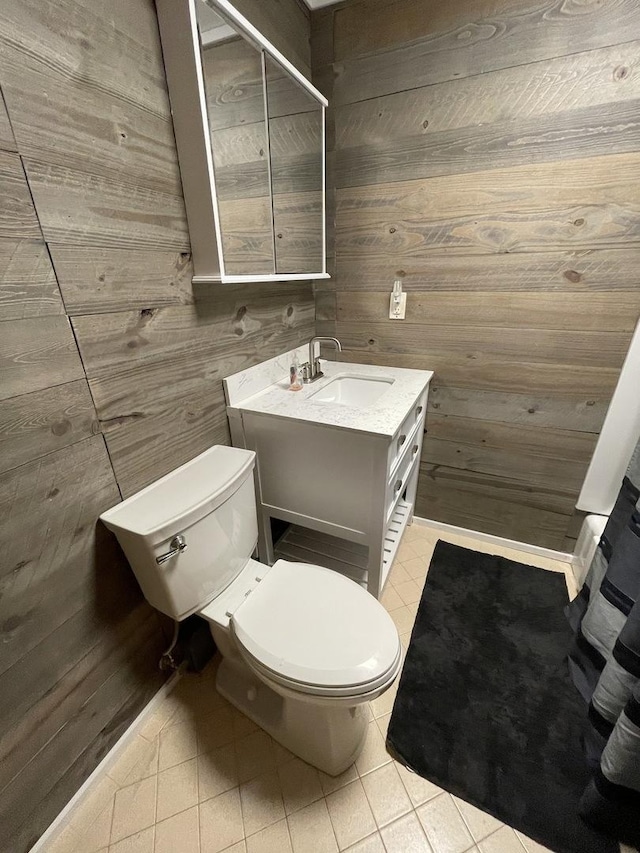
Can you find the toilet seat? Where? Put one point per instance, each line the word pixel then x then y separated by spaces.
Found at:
pixel 314 631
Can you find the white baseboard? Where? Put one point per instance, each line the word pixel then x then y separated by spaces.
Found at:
pixel 497 540
pixel 106 764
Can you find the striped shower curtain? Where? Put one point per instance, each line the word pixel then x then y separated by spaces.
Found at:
pixel 605 667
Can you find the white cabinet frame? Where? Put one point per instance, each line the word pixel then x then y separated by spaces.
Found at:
pixel 183 63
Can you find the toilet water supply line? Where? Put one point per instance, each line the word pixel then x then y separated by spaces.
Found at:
pixel 167 661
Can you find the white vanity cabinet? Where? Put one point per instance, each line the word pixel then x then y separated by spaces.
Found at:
pixel 336 471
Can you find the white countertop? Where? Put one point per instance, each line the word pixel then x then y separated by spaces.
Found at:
pixel 264 389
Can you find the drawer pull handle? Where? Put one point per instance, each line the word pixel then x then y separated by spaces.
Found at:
pixel 419 410
pixel 402 440
pixel 414 449
pixel 397 486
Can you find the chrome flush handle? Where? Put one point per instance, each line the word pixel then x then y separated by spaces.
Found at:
pixel 178 544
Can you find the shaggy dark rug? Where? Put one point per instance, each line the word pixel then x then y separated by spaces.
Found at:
pixel 485 706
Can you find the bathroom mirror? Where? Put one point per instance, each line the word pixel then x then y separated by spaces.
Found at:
pixel 250 136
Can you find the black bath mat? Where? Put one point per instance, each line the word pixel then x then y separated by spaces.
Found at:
pixel 485 707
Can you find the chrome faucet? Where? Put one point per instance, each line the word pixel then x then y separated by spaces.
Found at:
pixel 311 369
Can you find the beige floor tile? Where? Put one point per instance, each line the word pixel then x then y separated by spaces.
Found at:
pixel 261 802
pixel 480 823
pixel 532 846
pixel 138 761
pixel 177 789
pixel 255 755
pixel 503 841
pixel 91 818
pixel 383 724
pixel 273 839
pixel 300 785
pixel 134 808
pixel 217 772
pixel 371 844
pixel 282 754
pixel 405 639
pixel 405 551
pixel 423 545
pixel 179 834
pixel 384 703
pixel 66 841
pixel 350 814
pixel 417 569
pixel 398 574
pixel 386 794
pixel 405 836
pixel 242 725
pixel 311 830
pixel 93 838
pixel 403 619
pixel 390 599
pixel 374 754
pixel 216 729
pixel 419 790
pixel 409 592
pixel 333 783
pixel 178 743
pixel 141 842
pixel 443 825
pixel 238 847
pixel 221 822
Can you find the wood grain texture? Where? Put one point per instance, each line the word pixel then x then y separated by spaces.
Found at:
pixel 597 78
pixel 37 354
pixel 494 372
pixel 286 24
pixel 602 312
pixel 28 286
pixel 119 125
pixel 494 505
pixel 17 216
pixel 102 212
pixel 583 271
pixel 7 141
pixel 586 132
pixel 42 422
pixel 560 412
pixel 473 39
pixel 95 281
pixel 573 204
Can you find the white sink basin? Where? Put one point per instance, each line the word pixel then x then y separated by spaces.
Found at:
pixel 352 390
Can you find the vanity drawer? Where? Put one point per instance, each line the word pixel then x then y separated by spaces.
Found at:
pixel 398 483
pixel 406 433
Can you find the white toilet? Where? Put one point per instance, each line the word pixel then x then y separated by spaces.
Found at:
pixel 303 647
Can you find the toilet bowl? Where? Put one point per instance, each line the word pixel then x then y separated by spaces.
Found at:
pixel 303 648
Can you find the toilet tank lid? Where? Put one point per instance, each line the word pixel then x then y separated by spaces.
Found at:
pixel 183 495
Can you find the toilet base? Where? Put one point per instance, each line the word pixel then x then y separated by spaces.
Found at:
pixel 329 737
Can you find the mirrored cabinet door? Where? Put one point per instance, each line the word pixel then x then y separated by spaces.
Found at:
pixel 234 90
pixel 296 136
pixel 250 135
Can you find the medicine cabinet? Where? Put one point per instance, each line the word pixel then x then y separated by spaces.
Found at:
pixel 250 134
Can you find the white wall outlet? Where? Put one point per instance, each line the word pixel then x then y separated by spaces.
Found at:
pixel 397 306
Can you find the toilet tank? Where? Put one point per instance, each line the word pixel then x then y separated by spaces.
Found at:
pixel 210 502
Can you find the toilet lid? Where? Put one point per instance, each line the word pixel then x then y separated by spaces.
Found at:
pixel 313 626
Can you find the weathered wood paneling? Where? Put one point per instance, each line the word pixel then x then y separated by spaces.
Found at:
pixel 35 424
pixel 97 280
pixel 582 271
pixel 86 96
pixel 28 286
pixel 485 153
pixel 36 354
pixel 465 40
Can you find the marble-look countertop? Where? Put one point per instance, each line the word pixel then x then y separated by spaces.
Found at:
pixel 264 388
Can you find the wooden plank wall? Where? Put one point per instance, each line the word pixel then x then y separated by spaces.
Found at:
pixel 110 372
pixel 488 153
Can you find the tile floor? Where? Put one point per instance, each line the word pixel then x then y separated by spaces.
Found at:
pixel 202 778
